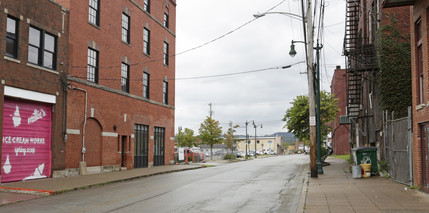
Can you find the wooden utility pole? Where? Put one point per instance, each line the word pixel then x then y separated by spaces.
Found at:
pixel 311 90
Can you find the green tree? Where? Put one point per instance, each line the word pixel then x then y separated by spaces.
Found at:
pixel 186 138
pixel 297 117
pixel 210 132
pixel 229 136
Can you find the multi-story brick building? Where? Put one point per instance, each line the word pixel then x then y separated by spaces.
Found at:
pixel 33 48
pixel 340 132
pixel 120 101
pixel 419 28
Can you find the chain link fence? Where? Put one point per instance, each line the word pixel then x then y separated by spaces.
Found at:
pixel 398 149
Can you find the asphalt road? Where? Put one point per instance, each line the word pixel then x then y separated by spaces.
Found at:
pixel 262 185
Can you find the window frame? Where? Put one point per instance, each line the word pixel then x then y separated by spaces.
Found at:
pixel 12 36
pixel 146 85
pixel 146 6
pixel 94 75
pixel 165 92
pixel 95 16
pixel 166 20
pixel 42 48
pixel 166 51
pixel 125 80
pixel 127 29
pixel 419 61
pixel 146 41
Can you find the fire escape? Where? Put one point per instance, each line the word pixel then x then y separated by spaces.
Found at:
pixel 361 58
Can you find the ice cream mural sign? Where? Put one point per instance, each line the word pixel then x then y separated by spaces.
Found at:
pixel 26 142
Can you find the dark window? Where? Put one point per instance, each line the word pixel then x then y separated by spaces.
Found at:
pixel 141 146
pixel 12 38
pixel 165 93
pixel 146 41
pixel 166 20
pixel 125 28
pixel 94 12
pixel 125 77
pixel 147 6
pixel 165 53
pixel 42 48
pixel 146 79
pixel 159 141
pixel 92 74
pixel 419 57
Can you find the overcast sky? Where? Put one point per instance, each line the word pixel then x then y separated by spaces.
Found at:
pixel 262 96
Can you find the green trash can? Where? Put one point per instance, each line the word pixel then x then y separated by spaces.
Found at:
pixel 366 155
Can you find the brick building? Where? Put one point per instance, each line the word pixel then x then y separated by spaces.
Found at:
pixel 419 28
pixel 33 48
pixel 120 101
pixel 340 133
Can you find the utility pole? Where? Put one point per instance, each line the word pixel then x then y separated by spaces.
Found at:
pixel 211 111
pixel 247 139
pixel 311 95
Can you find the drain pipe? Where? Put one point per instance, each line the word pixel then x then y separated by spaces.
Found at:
pixel 82 165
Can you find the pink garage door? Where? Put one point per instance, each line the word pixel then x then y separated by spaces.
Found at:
pixel 26 144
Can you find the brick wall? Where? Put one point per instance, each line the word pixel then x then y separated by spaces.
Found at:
pixel 16 72
pixel 420 113
pixel 340 133
pixel 107 105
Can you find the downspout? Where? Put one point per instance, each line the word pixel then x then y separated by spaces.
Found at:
pixel 84 122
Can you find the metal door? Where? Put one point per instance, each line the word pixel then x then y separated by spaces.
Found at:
pixel 158 154
pixel 141 146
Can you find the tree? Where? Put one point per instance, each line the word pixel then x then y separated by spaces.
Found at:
pixel 229 136
pixel 210 132
pixel 297 117
pixel 186 138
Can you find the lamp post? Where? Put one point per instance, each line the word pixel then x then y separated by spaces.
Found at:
pixel 256 154
pixel 308 40
pixel 319 143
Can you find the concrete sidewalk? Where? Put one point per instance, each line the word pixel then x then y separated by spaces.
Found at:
pixel 337 191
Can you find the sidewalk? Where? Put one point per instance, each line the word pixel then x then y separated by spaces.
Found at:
pixel 43 187
pixel 337 191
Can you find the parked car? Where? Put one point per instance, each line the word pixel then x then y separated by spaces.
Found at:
pixel 239 154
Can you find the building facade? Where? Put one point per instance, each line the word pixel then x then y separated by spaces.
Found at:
pixel 120 97
pixel 419 28
pixel 34 48
pixel 340 131
pixel 262 144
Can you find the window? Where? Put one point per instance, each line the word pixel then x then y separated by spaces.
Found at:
pixel 166 20
pixel 41 48
pixel 165 93
pixel 94 12
pixel 146 41
pixel 166 53
pixel 147 6
pixel 12 38
pixel 125 77
pixel 125 28
pixel 92 74
pixel 146 78
pixel 419 57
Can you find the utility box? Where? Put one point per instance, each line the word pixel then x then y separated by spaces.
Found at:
pixel 366 155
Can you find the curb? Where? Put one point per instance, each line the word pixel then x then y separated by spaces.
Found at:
pixel 303 198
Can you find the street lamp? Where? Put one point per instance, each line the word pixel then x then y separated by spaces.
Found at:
pixel 254 125
pixel 292 51
pixel 259 15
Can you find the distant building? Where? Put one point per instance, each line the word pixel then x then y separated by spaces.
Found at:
pixel 121 96
pixel 340 132
pixel 34 50
pixel 262 144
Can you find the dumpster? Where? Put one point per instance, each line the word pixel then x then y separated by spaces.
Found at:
pixel 366 155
